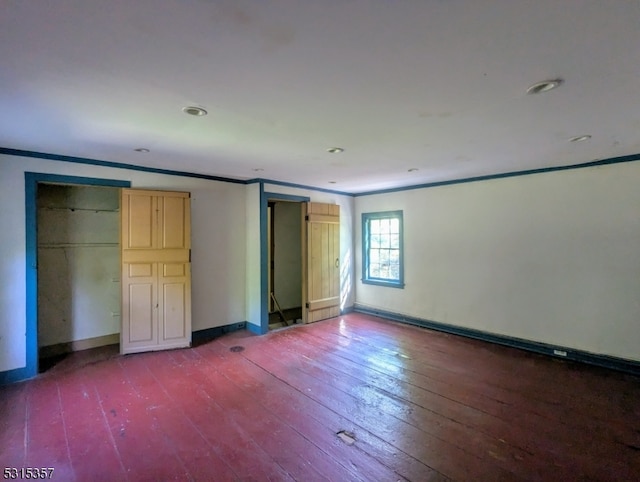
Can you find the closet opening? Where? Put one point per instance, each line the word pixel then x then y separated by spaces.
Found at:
pixel 78 271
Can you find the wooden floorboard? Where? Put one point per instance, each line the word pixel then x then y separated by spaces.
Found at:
pixel 436 421
pixel 414 404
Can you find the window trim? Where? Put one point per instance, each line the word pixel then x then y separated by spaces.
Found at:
pixel 366 217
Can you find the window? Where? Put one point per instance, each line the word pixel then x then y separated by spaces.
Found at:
pixel 382 256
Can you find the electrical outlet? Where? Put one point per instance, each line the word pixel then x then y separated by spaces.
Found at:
pixel 560 352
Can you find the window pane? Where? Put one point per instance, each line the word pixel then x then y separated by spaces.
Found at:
pixel 395 225
pixel 395 241
pixel 384 226
pixel 374 225
pixel 375 241
pixel 385 241
pixel 394 256
pixel 374 257
pixel 374 270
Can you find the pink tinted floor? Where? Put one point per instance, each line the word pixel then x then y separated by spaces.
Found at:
pixel 413 405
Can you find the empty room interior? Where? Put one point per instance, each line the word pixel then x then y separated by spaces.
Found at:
pixel 284 240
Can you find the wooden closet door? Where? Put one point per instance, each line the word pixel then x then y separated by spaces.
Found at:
pixel 156 270
pixel 322 261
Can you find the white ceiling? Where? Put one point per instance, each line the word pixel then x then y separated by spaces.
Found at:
pixel 437 85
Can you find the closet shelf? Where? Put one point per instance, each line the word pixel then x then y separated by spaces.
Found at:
pixel 77 245
pixel 80 209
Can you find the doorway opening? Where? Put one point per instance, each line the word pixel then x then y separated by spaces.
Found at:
pixel 65 261
pixel 284 235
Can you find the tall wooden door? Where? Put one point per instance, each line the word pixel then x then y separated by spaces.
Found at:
pixel 322 260
pixel 156 270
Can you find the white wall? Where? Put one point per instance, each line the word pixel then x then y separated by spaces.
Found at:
pixel 346 204
pixel 551 257
pixel 218 245
pixel 287 237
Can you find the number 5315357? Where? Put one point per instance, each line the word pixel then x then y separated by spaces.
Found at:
pixel 13 473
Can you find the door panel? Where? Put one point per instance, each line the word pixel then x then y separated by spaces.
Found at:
pixel 322 261
pixel 156 275
pixel 174 310
pixel 174 269
pixel 139 211
pixel 139 305
pixel 137 270
pixel 142 309
pixel 175 223
pixel 175 317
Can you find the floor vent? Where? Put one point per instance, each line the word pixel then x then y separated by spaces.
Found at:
pixel 236 349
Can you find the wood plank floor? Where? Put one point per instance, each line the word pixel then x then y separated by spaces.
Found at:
pixel 412 404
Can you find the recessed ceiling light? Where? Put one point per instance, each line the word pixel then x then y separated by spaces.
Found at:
pixel 258 169
pixel 193 110
pixel 335 150
pixel 580 138
pixel 332 182
pixel 544 86
pixel 142 149
pixel 413 169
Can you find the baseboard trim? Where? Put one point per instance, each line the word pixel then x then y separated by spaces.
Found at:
pixel 556 351
pixel 15 375
pixel 78 345
pixel 256 329
pixel 347 310
pixel 202 336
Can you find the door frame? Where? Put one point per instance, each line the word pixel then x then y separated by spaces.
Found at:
pixel 265 197
pixel 31 181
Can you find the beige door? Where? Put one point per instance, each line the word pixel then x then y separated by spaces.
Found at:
pixel 156 270
pixel 322 262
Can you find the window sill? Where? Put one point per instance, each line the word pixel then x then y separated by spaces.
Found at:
pixel 388 284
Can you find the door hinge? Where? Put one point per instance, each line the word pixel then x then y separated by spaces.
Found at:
pixel 306 218
pixel 306 305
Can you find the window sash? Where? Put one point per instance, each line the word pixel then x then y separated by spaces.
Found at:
pixel 382 248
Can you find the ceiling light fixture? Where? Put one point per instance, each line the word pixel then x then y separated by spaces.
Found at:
pixel 195 111
pixel 413 169
pixel 142 149
pixel 332 182
pixel 544 86
pixel 258 169
pixel 580 138
pixel 335 150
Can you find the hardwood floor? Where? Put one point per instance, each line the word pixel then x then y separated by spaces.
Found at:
pixel 414 405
